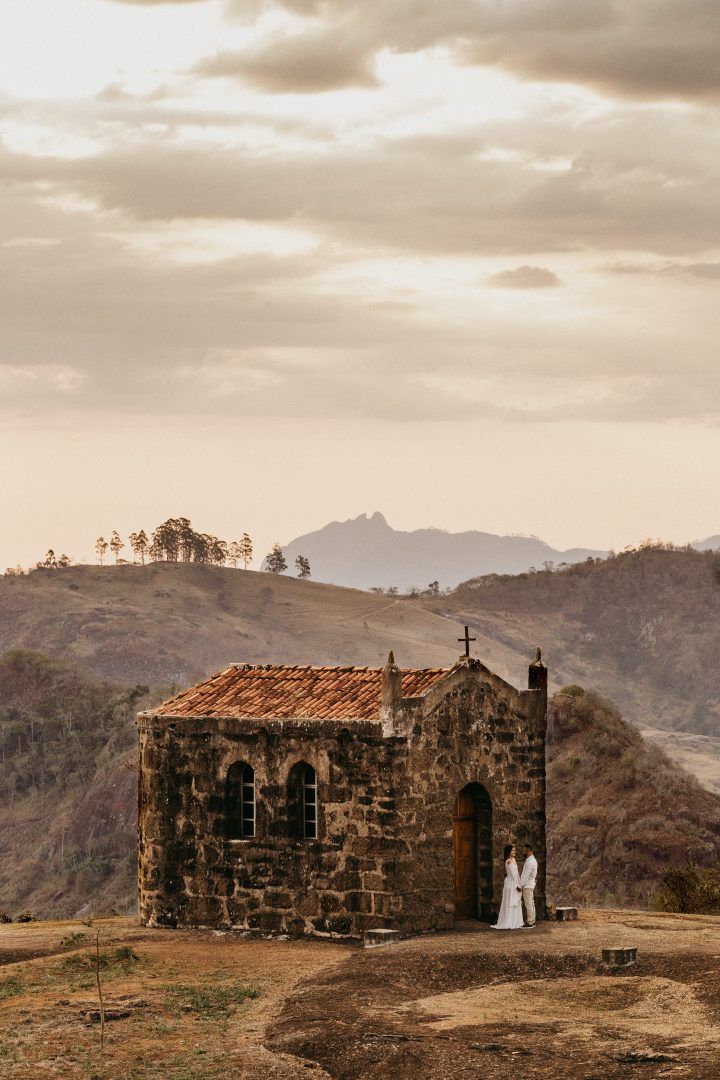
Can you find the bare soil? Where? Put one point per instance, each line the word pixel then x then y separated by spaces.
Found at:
pixel 473 1002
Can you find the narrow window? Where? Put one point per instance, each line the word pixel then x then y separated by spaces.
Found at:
pixel 240 801
pixel 309 803
pixel 302 804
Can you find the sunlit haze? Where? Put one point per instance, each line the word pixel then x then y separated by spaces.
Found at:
pixel 269 263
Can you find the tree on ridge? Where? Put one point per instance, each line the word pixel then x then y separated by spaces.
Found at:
pixel 175 540
pixel 246 550
pixel 116 545
pixel 276 562
pixel 101 547
pixel 303 567
pixel 139 545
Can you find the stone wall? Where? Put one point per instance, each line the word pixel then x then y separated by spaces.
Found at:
pixel 189 874
pixel 384 852
pixel 471 729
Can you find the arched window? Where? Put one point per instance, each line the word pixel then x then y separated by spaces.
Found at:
pixel 303 802
pixel 240 801
pixel 309 803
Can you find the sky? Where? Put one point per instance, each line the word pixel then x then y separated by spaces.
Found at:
pixel 270 263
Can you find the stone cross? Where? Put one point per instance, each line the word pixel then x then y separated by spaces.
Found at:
pixel 467 639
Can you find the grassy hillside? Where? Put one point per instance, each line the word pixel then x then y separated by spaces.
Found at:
pixel 643 628
pixel 68 787
pixel 171 623
pixel 618 809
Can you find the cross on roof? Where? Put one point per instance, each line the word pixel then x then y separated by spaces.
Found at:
pixel 467 639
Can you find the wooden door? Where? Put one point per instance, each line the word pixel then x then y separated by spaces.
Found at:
pixel 465 856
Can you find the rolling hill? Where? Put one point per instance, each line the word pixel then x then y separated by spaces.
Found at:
pixel 364 552
pixel 169 624
pixel 619 810
pixel 641 628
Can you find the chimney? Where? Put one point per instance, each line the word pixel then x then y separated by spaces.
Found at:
pixel 390 695
pixel 538 680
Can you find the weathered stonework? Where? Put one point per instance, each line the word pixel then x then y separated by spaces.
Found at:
pixel 383 856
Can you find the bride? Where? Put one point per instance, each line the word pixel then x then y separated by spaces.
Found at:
pixel 511 916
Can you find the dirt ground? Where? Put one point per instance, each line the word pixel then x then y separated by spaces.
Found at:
pixel 198 1005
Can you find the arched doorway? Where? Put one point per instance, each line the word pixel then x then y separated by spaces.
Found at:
pixel 472 853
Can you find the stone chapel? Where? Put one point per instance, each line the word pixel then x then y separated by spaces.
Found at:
pixel 336 800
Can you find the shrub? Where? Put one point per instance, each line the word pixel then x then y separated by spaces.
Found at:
pixel 689 891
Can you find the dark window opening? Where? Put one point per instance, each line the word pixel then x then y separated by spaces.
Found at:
pixel 302 803
pixel 309 803
pixel 240 801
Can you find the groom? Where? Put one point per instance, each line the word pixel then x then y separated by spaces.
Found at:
pixel 527 885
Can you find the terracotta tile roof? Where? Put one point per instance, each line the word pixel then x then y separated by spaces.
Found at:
pixel 297 693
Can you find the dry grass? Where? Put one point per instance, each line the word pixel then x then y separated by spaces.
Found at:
pixel 169 625
pixel 181 1006
pixel 201 1006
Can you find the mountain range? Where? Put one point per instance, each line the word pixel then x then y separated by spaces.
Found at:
pixel 365 552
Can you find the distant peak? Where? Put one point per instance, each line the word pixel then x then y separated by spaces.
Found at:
pixel 376 519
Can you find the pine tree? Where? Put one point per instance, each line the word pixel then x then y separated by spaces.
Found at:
pixel 49 561
pixel 246 550
pixel 275 560
pixel 101 547
pixel 233 553
pixel 303 567
pixel 116 545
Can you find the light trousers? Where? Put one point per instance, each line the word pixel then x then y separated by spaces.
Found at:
pixel 528 896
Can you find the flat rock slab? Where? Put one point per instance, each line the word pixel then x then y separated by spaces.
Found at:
pixel 380 937
pixel 92 1016
pixel 619 957
pixel 566 914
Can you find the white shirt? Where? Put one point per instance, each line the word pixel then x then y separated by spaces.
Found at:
pixel 529 873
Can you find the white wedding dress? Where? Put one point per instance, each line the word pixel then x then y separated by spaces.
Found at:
pixel 511 915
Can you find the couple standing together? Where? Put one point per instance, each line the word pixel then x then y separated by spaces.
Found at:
pixel 518 888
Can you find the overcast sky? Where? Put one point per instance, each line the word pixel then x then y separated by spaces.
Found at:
pixel 267 263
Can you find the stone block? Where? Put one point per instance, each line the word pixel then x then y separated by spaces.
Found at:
pixel 566 914
pixel 380 937
pixel 620 957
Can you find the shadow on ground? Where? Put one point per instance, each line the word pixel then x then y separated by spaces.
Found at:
pixel 481 1005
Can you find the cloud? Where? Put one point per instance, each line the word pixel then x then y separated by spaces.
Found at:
pixel 156 3
pixel 308 335
pixel 293 65
pixel 341 38
pixel 647 49
pixel 524 277
pixel 429 193
pixel 403 193
pixel 708 271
